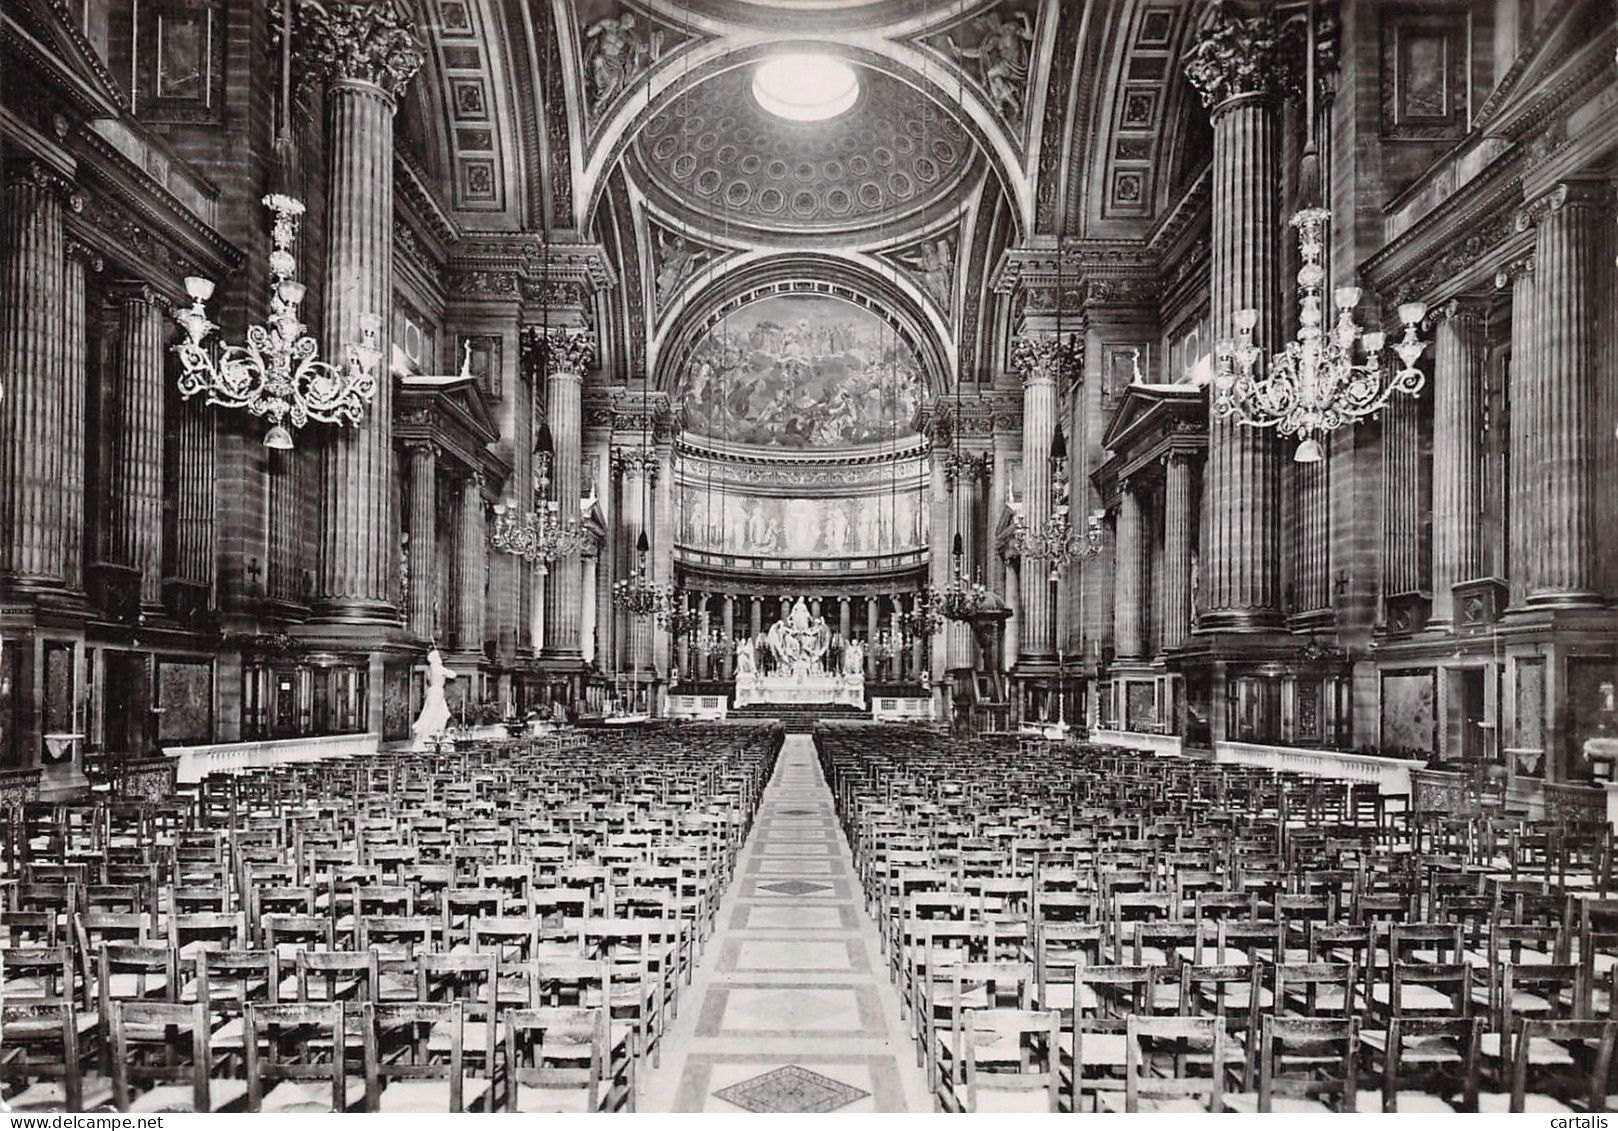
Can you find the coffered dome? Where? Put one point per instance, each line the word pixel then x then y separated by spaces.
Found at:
pixel 882 165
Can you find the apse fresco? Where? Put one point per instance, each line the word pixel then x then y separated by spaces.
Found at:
pixel 768 526
pixel 801 372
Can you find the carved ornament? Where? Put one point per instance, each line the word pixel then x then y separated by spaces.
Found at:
pixel 372 42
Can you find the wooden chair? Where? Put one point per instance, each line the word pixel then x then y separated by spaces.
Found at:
pixel 403 1074
pixel 1183 1091
pixel 42 1056
pixel 292 1046
pixel 1585 1086
pixel 556 1060
pixel 1295 1062
pixel 1011 1062
pixel 1442 1050
pixel 147 1073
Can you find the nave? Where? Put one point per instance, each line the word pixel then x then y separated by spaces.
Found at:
pixel 790 1008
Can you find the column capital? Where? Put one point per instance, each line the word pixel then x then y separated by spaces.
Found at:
pixel 1043 357
pixel 1469 309
pixel 355 41
pixel 1563 194
pixel 36 175
pixel 137 293
pixel 557 352
pixel 82 252
pixel 642 462
pixel 1232 56
pixel 1521 266
pixel 424 448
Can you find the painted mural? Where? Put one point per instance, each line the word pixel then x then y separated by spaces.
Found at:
pixel 768 526
pixel 801 372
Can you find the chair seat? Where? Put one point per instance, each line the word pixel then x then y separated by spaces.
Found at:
pixel 1499 1103
pixel 179 1097
pixel 85 1021
pixel 1246 1103
pixel 310 1095
pixel 1413 998
pixel 403 1097
pixel 542 1099
pixel 1019 1101
pixel 1409 1103
pixel 1541 1050
pixel 126 987
pixel 1108 1050
pixel 1115 1101
pixel 1231 957
pixel 47 1095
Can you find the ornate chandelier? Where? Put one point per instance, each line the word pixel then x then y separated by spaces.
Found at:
pixel 276 374
pixel 1058 541
pixel 960 601
pixel 922 619
pixel 1314 385
pixel 538 538
pixel 680 619
pixel 639 597
pixel 885 645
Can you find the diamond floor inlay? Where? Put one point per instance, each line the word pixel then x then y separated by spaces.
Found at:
pixel 791 1009
pixel 791 1090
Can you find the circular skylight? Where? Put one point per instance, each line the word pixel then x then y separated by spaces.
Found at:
pixel 805 88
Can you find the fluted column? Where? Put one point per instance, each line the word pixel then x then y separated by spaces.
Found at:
pixel 870 636
pixel 755 616
pixel 1039 357
pixel 589 623
pixel 634 468
pixel 194 541
pixel 1563 571
pixel 358 547
pixel 1457 452
pixel 727 625
pixel 842 618
pixel 471 559
pixel 423 536
pixel 566 355
pixel 1127 576
pixel 1234 67
pixel 1177 519
pixel 31 371
pixel 138 470
pixel 75 381
pixel 1525 527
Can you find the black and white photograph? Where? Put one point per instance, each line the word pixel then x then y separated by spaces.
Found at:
pixel 808 557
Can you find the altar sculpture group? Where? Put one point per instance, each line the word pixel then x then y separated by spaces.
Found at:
pixel 800 660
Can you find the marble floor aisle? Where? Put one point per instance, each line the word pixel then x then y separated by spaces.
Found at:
pixel 790 1009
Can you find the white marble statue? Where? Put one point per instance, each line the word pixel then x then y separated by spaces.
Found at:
pixel 433 721
pixel 854 659
pixel 745 667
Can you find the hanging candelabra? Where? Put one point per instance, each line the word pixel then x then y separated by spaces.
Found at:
pixel 1057 541
pixel 680 619
pixel 540 538
pixel 1315 385
pixel 276 374
pixel 923 618
pixel 638 595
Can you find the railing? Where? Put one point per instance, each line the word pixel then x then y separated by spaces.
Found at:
pixel 193 763
pixel 1167 744
pixel 1391 776
pixel 892 709
pixel 697 706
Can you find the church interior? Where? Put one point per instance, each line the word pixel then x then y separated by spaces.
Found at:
pixel 808 555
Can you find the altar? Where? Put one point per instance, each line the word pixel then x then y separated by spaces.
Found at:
pixel 799 661
pixel 842 689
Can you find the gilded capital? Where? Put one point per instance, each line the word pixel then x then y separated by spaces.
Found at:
pixel 357 40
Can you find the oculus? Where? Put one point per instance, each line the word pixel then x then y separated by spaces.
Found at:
pixel 805 87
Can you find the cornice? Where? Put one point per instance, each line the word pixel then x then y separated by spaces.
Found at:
pixel 89 99
pixel 1460 232
pixel 423 204
pixel 853 457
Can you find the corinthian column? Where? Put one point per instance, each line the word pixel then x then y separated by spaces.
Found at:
pixel 636 470
pixel 1176 611
pixel 1233 65
pixel 471 560
pixel 566 354
pixel 1039 358
pixel 366 63
pixel 1563 570
pixel 1457 452
pixel 31 372
pixel 138 471
pixel 423 554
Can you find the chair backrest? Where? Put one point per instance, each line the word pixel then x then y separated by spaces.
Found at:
pixel 285 1030
pixel 1462 1036
pixel 554 1049
pixel 1139 1082
pixel 407 1028
pixel 143 1046
pixel 42 1044
pixel 1306 1074
pixel 1012 1050
pixel 1598 1038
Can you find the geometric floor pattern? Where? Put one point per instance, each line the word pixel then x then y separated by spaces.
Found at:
pixel 790 1090
pixel 790 1008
